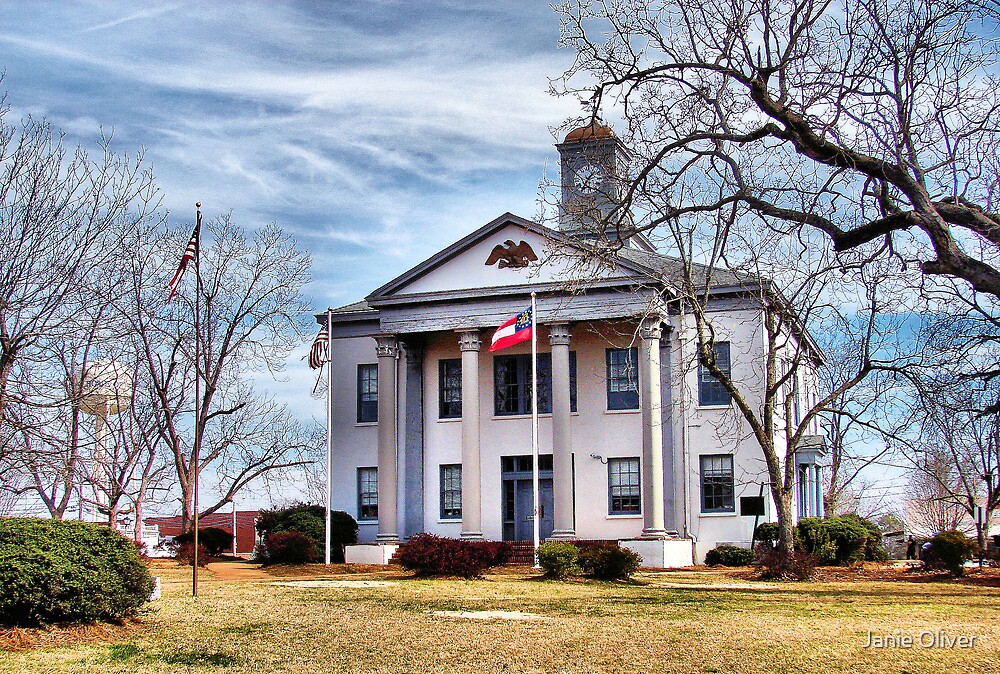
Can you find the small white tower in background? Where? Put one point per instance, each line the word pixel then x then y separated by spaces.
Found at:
pixel 105 390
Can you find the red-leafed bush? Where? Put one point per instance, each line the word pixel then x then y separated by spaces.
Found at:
pixel 778 564
pixel 289 547
pixel 497 552
pixel 430 555
pixel 185 554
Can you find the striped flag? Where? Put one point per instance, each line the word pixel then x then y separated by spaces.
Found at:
pixel 320 351
pixel 190 253
pixel 514 331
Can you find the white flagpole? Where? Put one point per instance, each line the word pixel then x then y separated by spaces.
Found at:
pixel 534 425
pixel 196 450
pixel 329 425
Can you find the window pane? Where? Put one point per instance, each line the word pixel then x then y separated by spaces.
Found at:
pixel 710 390
pixel 718 490
pixel 624 491
pixel 623 381
pixel 512 383
pixel 367 393
pixel 450 385
pixel 451 491
pixel 367 493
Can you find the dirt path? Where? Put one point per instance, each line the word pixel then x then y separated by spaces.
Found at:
pixel 237 571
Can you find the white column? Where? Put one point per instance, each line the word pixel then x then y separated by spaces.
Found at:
pixel 387 348
pixel 652 431
pixel 562 443
pixel 472 517
pixel 819 490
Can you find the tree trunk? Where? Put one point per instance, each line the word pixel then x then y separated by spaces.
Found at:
pixel 786 526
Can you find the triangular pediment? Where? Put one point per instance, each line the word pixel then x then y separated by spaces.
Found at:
pixel 509 252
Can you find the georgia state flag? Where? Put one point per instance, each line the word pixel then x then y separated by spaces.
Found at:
pixel 514 331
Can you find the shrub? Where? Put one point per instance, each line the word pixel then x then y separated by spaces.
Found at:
pixel 185 554
pixel 289 547
pixel 497 553
pixel 430 555
pixel 767 533
pixel 777 564
pixel 308 519
pixel 609 563
pixel 840 540
pixel 214 539
pixel 874 550
pixel 729 555
pixel 560 560
pixel 950 550
pixel 63 571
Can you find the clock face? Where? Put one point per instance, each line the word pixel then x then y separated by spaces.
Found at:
pixel 587 178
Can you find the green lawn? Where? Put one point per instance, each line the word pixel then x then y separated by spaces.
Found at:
pixel 692 621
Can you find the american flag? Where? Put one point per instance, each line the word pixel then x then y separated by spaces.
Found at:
pixel 190 253
pixel 320 351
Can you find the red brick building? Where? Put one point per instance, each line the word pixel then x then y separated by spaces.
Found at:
pixel 246 532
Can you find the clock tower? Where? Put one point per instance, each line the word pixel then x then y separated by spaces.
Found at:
pixel 594 169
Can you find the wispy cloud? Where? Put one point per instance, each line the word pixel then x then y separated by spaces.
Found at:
pixel 142 14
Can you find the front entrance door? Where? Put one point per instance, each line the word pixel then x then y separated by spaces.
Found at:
pixel 520 526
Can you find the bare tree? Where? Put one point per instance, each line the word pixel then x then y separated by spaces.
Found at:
pixel 859 126
pixel 954 457
pixel 932 506
pixel 863 419
pixel 252 314
pixel 63 216
pixel 872 121
pixel 790 286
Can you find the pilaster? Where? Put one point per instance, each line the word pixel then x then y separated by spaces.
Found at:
pixel 413 434
pixel 386 350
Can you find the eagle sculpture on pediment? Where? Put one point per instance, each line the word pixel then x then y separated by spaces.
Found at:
pixel 510 254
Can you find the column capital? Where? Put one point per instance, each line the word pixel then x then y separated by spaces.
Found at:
pixel 559 334
pixel 651 327
pixel 468 340
pixel 386 346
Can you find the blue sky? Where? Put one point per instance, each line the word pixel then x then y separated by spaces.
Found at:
pixel 375 132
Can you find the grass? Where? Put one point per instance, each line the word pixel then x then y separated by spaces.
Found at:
pixel 690 621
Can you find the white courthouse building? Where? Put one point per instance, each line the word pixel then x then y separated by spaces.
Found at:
pixel 432 433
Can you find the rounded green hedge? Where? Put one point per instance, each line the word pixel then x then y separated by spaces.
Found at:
pixel 729 555
pixel 58 571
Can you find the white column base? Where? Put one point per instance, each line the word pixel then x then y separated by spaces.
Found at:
pixel 472 535
pixel 653 534
pixel 373 553
pixel 662 553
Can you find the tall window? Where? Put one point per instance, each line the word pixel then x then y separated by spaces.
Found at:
pixel 710 390
pixel 718 489
pixel 623 487
pixel 367 493
pixel 623 379
pixel 450 385
pixel 451 492
pixel 367 393
pixel 512 384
